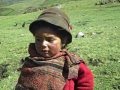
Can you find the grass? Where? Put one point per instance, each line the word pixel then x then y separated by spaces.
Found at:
pixel 100 51
pixel 6 11
pixel 22 6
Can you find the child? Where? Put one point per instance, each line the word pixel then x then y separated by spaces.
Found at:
pixel 50 66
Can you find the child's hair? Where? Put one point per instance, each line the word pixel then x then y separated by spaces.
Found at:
pixel 58 30
pixel 55 19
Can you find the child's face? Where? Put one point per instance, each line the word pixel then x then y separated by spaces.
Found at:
pixel 47 42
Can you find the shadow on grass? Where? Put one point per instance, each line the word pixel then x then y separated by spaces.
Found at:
pixel 3 70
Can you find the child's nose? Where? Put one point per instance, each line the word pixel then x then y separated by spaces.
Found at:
pixel 45 43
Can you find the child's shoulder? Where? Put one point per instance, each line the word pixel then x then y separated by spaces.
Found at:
pixel 75 59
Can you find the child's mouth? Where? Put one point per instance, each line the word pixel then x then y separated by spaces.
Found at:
pixel 45 53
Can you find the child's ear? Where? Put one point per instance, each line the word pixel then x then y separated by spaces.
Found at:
pixel 64 41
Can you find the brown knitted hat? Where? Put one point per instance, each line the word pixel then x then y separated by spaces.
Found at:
pixel 57 18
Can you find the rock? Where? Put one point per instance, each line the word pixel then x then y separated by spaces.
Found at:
pixel 59 6
pixel 93 33
pixel 80 34
pixel 15 24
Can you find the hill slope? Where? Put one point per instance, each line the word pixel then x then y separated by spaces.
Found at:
pixel 100 46
pixel 12 7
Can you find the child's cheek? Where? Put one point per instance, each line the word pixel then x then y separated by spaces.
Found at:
pixel 54 49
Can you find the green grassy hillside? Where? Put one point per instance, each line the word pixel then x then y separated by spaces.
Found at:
pixel 22 6
pixel 27 6
pixel 100 46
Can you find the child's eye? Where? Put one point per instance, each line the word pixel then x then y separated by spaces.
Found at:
pixel 50 39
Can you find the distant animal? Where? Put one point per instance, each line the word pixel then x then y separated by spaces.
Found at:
pixel 23 25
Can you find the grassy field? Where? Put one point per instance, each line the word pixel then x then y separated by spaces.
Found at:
pixel 100 47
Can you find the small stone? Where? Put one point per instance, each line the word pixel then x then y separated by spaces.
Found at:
pixel 80 34
pixel 93 33
pixel 58 6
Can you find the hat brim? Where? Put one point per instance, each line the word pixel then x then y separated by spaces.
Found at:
pixel 53 22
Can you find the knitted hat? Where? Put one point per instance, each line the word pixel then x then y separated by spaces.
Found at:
pixel 57 18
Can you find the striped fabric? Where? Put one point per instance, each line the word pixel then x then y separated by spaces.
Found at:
pixel 48 74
